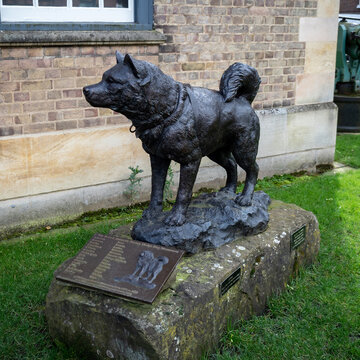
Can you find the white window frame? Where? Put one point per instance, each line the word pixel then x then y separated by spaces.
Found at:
pixel 57 14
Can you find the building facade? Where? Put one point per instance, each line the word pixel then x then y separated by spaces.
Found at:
pixel 60 157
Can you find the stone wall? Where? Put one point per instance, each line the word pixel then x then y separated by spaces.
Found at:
pixel 60 157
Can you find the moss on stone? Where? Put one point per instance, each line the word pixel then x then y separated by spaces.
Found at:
pixel 189 317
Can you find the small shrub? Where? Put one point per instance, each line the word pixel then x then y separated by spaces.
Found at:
pixel 169 182
pixel 133 189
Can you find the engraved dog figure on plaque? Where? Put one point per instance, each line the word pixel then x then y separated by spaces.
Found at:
pixel 147 269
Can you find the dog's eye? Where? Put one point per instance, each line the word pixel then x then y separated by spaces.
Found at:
pixel 110 79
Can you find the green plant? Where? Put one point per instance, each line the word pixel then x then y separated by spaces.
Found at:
pixel 168 194
pixel 132 190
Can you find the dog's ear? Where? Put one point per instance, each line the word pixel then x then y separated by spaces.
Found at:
pixel 128 60
pixel 145 81
pixel 134 65
pixel 119 57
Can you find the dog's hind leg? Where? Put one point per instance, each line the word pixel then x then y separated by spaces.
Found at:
pixel 159 168
pixel 226 160
pixel 251 168
pixel 188 172
pixel 245 150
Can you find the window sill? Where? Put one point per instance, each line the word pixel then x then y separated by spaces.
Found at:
pixel 66 38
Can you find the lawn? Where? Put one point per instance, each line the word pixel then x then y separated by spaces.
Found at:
pixel 317 317
pixel 348 149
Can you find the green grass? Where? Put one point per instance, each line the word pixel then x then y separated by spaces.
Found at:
pixel 317 317
pixel 348 149
pixel 26 270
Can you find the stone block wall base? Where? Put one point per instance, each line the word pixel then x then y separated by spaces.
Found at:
pixel 46 179
pixel 189 317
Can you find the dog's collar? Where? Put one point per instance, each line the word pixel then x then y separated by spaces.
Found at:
pixel 151 137
pixel 182 95
pixel 140 131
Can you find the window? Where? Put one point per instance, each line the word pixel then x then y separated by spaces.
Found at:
pixel 22 16
pixel 67 11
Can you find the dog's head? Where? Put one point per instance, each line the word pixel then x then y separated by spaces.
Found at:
pixel 122 87
pixel 145 257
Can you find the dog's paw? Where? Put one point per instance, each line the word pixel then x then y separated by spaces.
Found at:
pixel 228 189
pixel 150 213
pixel 243 200
pixel 175 219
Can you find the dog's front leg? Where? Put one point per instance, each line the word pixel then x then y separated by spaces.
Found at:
pixel 159 168
pixel 188 172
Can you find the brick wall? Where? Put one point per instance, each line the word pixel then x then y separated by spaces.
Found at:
pixel 41 88
pixel 204 37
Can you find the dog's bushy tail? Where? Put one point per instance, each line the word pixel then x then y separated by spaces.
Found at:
pixel 240 80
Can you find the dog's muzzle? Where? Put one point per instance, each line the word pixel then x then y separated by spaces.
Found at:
pixel 91 95
pixel 86 91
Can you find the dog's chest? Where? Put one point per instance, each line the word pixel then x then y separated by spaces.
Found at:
pixel 177 142
pixel 181 141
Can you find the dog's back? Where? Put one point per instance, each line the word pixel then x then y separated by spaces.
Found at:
pixel 216 121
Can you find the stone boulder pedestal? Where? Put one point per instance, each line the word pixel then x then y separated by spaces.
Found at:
pixel 212 220
pixel 233 281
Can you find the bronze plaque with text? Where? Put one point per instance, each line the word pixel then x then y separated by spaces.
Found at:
pixel 129 268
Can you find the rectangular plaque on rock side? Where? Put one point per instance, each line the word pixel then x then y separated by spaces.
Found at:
pixel 229 282
pixel 298 237
pixel 128 268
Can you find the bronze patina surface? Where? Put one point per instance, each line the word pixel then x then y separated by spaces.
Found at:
pixel 176 121
pixel 122 267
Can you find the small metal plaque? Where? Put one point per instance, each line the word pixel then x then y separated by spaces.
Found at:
pixel 229 282
pixel 298 237
pixel 132 269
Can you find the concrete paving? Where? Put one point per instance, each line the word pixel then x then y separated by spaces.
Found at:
pixel 340 168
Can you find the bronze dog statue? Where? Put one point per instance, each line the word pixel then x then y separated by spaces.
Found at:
pixel 179 122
